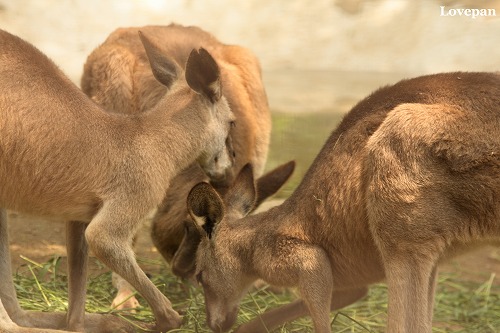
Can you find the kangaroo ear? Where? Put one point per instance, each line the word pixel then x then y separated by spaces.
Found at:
pixel 203 74
pixel 272 181
pixel 182 263
pixel 242 194
pixel 164 69
pixel 205 207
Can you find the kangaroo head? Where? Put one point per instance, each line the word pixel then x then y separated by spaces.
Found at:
pixel 218 269
pixel 183 262
pixel 202 75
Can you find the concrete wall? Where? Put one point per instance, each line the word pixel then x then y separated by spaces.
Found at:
pixel 348 35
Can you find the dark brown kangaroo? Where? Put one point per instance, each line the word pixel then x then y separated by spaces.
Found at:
pixel 410 177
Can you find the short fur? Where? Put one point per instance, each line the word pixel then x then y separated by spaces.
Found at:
pixel 410 177
pixel 117 75
pixel 64 157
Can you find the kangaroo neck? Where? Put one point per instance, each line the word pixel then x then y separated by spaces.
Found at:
pixel 175 130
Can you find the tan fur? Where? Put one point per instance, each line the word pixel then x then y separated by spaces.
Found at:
pixel 63 156
pixel 118 76
pixel 410 177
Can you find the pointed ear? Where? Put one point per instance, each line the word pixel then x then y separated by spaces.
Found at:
pixel 205 207
pixel 165 70
pixel 242 194
pixel 272 181
pixel 203 74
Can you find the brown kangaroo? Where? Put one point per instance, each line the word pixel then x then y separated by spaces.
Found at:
pixel 62 156
pixel 118 76
pixel 410 177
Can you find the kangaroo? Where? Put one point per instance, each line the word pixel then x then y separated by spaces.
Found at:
pixel 62 156
pixel 118 76
pixel 410 177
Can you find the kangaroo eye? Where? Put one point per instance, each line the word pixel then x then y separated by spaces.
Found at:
pixel 199 278
pixel 232 124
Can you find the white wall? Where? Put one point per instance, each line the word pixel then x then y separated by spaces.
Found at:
pixel 316 54
pixel 351 35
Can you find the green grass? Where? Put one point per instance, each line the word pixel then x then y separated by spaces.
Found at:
pixel 461 306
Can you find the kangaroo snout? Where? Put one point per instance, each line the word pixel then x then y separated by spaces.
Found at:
pixel 219 168
pixel 221 324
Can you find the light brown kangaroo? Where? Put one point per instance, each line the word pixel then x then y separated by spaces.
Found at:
pixel 410 177
pixel 118 76
pixel 62 156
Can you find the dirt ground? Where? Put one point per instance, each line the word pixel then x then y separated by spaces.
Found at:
pixel 39 240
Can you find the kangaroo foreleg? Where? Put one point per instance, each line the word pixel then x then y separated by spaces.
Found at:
pixel 77 274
